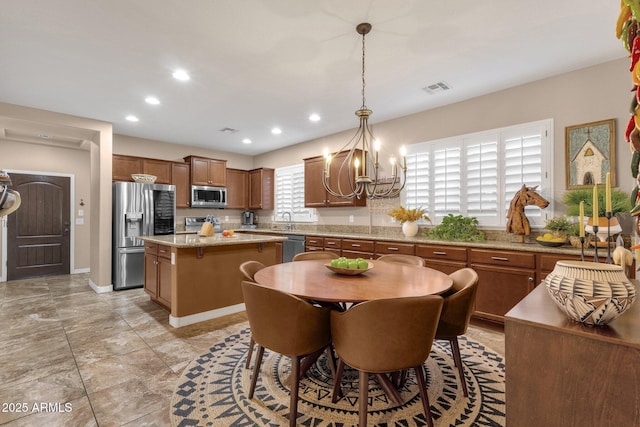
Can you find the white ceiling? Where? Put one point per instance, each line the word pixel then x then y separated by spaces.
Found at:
pixel 256 64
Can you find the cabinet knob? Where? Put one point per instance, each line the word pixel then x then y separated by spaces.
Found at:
pixel 530 279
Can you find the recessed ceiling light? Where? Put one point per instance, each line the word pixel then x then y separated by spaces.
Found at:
pixel 152 100
pixel 276 131
pixel 181 75
pixel 246 141
pixel 314 117
pixel 132 118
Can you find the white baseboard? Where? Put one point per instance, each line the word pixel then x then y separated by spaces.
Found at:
pixel 178 322
pixel 81 270
pixel 100 289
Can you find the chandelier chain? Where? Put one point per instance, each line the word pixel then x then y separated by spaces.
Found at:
pixel 363 81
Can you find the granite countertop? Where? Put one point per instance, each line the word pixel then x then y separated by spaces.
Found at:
pixel 489 244
pixel 192 240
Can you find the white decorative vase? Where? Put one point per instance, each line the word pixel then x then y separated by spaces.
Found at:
pixel 410 228
pixel 589 292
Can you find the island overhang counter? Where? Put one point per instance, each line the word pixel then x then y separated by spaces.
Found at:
pixel 198 278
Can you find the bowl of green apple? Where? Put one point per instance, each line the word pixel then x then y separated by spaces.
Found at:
pixel 349 266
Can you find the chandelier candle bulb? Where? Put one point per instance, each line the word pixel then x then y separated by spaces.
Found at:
pixel 608 192
pixel 595 205
pixel 356 163
pixel 581 219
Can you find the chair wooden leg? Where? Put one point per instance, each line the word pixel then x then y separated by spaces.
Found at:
pixel 337 390
pixel 423 394
pixel 256 370
pixel 457 359
pixel 364 398
pixel 295 383
pixel 249 353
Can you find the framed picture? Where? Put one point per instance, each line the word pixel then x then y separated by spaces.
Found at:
pixel 590 153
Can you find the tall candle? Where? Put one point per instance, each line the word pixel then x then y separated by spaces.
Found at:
pixel 595 205
pixel 582 219
pixel 608 193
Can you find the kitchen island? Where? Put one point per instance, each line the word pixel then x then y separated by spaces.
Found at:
pixel 198 278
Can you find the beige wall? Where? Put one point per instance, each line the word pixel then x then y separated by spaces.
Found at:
pixel 591 94
pixel 587 95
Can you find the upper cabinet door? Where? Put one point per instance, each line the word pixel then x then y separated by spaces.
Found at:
pixel 211 172
pixel 261 188
pixel 315 196
pixel 160 168
pixel 124 166
pixel 237 189
pixel 180 177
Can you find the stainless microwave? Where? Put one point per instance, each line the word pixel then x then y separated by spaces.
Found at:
pixel 208 197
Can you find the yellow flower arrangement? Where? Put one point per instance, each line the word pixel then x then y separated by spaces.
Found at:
pixel 403 214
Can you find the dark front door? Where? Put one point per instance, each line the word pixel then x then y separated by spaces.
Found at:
pixel 38 232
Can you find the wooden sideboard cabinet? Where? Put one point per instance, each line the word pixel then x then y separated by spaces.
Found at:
pixel 504 278
pixel 563 373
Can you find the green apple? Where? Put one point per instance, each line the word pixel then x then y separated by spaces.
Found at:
pixel 334 262
pixel 342 263
pixel 353 264
pixel 362 264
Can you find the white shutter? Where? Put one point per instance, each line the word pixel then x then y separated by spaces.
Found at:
pixel 446 181
pixel 523 165
pixel 289 195
pixel 417 186
pixel 482 179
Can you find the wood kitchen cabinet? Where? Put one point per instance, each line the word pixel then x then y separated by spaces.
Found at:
pixel 209 172
pixel 383 248
pixel 333 244
pixel 314 243
pixel 355 248
pixel 123 166
pixel 237 189
pixel 261 188
pixel 504 278
pixel 181 178
pixel 157 273
pixel 315 196
pixel 161 169
pixel 443 258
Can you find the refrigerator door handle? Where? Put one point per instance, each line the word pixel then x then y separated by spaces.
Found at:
pixel 133 250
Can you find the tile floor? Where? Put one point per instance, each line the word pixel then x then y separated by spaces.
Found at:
pixel 109 360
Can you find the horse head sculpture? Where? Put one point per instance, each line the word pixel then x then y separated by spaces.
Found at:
pixel 517 221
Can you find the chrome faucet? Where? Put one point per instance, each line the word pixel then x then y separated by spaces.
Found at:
pixel 289 226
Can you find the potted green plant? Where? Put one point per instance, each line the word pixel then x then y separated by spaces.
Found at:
pixel 558 226
pixel 619 201
pixel 458 228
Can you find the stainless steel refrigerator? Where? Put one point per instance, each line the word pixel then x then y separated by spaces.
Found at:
pixel 138 210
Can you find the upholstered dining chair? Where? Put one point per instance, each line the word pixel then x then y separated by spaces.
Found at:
pixel 403 259
pixel 287 325
pixel 304 256
pixel 248 270
pixel 386 336
pixel 456 314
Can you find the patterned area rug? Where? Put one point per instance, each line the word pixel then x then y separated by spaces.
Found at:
pixel 213 390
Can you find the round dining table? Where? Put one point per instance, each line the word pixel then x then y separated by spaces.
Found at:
pixel 313 280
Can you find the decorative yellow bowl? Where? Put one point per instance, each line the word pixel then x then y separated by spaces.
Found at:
pixel 589 292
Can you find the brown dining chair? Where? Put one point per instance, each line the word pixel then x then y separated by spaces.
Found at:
pixel 305 256
pixel 386 336
pixel 248 270
pixel 456 314
pixel 288 325
pixel 403 259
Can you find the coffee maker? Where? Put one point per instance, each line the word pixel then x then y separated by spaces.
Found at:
pixel 248 220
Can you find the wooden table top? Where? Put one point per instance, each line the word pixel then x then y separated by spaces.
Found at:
pixel 312 280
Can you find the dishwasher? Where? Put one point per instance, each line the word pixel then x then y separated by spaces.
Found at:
pixel 292 246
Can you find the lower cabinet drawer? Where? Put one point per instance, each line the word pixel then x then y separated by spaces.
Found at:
pixel 448 253
pixel 357 245
pixel 395 248
pixel 332 243
pixel 503 258
pixel 315 241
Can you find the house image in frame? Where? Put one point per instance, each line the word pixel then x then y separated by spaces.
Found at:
pixel 588 162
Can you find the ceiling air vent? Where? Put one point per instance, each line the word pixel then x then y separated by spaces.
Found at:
pixel 434 88
pixel 228 130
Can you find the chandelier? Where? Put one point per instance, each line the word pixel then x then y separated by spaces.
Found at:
pixel 356 170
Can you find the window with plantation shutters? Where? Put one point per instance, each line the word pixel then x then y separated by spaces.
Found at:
pixel 478 174
pixel 289 195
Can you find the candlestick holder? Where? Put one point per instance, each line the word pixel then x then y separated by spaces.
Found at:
pixel 608 215
pixel 595 254
pixel 582 248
